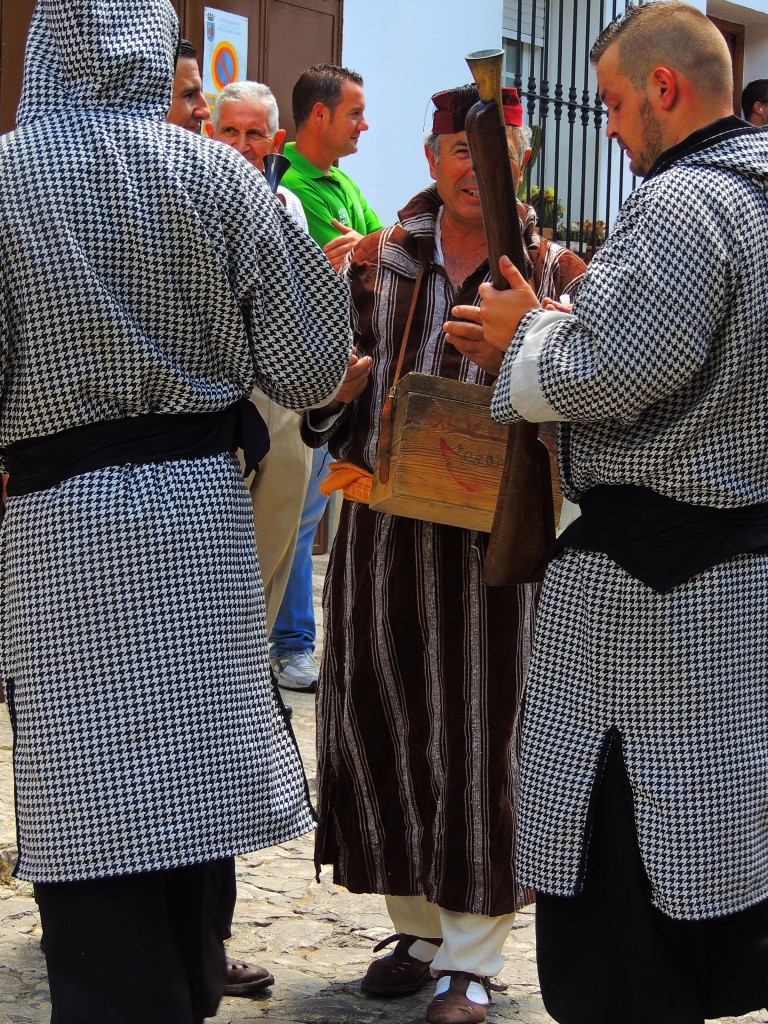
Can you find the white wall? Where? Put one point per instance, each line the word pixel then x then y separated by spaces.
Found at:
pixel 754 18
pixel 756 51
pixel 406 50
pixel 742 14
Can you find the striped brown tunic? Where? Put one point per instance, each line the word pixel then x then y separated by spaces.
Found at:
pixel 420 683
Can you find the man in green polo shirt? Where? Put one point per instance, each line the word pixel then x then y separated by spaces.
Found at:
pixel 329 111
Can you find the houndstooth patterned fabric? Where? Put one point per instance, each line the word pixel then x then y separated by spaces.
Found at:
pixel 147 732
pixel 174 279
pixel 143 269
pixel 682 677
pixel 661 374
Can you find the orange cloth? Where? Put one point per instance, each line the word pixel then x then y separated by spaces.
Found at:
pixel 355 483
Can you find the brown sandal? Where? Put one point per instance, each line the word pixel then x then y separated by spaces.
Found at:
pixel 454 1005
pixel 246 979
pixel 399 973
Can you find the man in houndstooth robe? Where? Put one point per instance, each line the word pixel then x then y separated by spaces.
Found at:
pixel 149 281
pixel 644 778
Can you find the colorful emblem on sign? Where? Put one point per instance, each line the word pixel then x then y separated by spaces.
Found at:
pixel 225 52
pixel 224 65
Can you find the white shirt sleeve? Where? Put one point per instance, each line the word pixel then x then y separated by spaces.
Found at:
pixel 294 207
pixel 522 376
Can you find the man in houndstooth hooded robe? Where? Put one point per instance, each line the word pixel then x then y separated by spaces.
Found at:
pixel 644 779
pixel 149 281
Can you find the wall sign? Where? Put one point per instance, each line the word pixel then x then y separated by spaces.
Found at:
pixel 225 57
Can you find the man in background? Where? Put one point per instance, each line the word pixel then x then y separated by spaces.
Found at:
pixel 754 101
pixel 189 107
pixel 329 111
pixel 246 117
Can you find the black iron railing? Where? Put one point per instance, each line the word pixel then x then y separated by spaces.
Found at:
pixel 578 178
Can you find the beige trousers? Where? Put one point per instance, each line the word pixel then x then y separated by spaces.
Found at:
pixel 277 495
pixel 471 942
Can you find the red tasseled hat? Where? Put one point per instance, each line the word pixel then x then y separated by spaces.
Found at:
pixel 452 107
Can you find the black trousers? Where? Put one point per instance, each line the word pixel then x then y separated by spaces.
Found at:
pixel 138 948
pixel 607 956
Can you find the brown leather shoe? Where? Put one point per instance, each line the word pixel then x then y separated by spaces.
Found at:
pixel 399 973
pixel 246 979
pixel 454 1006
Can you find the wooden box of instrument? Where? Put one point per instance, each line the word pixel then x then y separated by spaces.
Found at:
pixel 446 454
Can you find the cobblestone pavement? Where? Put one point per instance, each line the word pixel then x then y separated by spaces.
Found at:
pixel 316 939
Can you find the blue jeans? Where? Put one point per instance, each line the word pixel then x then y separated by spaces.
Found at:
pixel 294 628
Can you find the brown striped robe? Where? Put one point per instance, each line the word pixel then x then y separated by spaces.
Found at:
pixel 422 670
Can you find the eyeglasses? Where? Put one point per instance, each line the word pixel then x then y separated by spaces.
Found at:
pixel 252 135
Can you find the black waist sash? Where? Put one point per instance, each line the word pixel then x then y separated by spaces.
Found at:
pixel 660 541
pixel 41 462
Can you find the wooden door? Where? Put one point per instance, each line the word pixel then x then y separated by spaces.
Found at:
pixel 15 16
pixel 284 37
pixel 297 33
pixel 733 34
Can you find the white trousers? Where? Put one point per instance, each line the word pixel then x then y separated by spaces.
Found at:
pixel 471 942
pixel 277 495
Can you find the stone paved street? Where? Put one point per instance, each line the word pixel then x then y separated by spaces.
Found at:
pixel 316 939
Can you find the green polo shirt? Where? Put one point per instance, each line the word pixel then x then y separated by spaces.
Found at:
pixel 327 196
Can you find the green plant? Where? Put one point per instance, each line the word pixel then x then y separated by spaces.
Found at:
pixel 550 210
pixel 587 230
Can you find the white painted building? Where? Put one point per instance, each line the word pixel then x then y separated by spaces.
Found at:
pixel 408 49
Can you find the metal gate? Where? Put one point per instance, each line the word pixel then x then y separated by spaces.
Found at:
pixel 577 179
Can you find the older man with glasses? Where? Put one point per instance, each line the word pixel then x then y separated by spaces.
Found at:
pixel 246 117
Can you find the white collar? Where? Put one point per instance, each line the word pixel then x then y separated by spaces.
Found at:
pixel 439 259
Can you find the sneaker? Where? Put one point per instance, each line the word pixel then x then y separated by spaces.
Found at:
pixel 296 670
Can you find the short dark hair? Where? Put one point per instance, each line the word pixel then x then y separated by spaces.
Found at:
pixel 186 50
pixel 754 92
pixel 320 83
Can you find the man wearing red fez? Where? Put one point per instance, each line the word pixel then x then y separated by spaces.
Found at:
pixel 420 683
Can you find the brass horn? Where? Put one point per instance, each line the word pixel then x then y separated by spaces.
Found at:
pixel 486 67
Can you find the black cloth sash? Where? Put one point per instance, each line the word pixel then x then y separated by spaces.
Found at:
pixel 660 541
pixel 41 462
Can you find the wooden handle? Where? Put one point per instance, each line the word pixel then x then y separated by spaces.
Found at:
pixel 490 161
pixel 524 521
